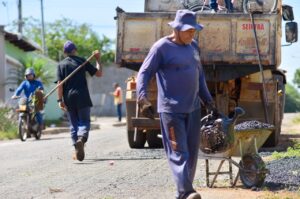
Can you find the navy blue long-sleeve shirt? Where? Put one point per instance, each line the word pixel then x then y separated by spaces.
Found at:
pixel 179 75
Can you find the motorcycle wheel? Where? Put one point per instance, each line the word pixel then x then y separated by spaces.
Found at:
pixel 38 134
pixel 22 128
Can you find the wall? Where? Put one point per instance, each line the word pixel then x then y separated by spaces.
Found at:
pixel 100 89
pixel 51 111
pixel 2 65
pixel 12 68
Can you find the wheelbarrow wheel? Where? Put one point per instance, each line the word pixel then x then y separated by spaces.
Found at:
pixel 252 171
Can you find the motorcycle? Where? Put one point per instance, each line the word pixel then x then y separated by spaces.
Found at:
pixel 28 124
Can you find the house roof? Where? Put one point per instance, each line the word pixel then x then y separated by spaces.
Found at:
pixel 21 42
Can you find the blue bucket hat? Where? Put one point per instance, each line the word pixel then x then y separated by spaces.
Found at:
pixel 69 46
pixel 184 20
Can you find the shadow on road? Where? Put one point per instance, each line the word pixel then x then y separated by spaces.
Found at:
pixel 52 138
pixel 124 158
pixel 285 141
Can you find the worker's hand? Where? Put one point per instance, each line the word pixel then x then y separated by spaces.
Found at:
pixel 97 54
pixel 62 106
pixel 211 109
pixel 146 108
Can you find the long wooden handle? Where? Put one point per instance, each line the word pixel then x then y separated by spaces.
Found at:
pixel 71 74
pixel 264 90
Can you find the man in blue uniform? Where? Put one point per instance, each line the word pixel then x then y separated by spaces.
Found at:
pixel 181 84
pixel 29 86
pixel 74 96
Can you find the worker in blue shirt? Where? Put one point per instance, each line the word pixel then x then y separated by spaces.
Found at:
pixel 29 86
pixel 181 84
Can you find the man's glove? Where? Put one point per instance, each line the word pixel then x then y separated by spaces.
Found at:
pixel 146 108
pixel 211 109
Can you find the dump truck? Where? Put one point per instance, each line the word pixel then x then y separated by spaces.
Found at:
pixel 240 54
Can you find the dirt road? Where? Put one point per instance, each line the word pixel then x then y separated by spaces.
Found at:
pixel 45 169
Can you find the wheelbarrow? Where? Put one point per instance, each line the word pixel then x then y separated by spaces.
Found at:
pixel 251 168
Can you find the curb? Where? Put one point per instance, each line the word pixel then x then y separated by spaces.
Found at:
pixel 57 130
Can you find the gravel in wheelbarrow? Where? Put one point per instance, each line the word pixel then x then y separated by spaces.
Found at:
pixel 253 124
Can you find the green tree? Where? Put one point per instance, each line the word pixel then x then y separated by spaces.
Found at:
pixel 64 29
pixel 292 99
pixel 296 79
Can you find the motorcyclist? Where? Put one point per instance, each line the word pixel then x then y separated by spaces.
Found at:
pixel 29 86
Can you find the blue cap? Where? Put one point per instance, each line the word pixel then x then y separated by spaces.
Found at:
pixel 69 46
pixel 184 20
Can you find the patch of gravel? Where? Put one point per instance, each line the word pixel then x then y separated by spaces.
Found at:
pixel 284 174
pixel 253 124
pixel 138 154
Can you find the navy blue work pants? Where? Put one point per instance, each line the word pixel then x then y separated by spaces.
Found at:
pixel 80 123
pixel 181 138
pixel 119 111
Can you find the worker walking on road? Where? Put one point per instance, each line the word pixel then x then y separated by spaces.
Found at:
pixel 175 61
pixel 118 100
pixel 74 97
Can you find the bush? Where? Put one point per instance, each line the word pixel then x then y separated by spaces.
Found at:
pixel 8 124
pixel 296 120
pixel 292 100
pixel 293 151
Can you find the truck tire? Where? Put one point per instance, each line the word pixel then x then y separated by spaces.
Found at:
pixel 273 139
pixel 152 139
pixel 140 139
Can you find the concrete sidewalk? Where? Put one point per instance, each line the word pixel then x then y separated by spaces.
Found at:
pixel 96 123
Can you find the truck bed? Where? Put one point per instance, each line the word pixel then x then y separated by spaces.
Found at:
pixel 227 39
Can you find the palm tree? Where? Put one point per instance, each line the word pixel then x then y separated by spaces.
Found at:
pixel 40 68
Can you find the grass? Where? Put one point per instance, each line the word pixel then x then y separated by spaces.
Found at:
pixel 8 135
pixel 296 120
pixel 56 122
pixel 293 151
pixel 8 127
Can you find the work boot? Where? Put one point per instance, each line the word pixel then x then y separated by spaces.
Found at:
pixel 83 139
pixel 194 195
pixel 79 149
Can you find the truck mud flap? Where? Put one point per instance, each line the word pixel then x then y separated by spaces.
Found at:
pixel 145 123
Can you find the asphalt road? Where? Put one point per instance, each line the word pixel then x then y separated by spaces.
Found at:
pixel 45 169
pixel 111 170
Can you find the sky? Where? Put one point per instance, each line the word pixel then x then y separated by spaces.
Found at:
pixel 100 13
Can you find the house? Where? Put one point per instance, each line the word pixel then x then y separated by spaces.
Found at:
pixel 13 49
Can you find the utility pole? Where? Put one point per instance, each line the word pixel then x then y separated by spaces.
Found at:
pixel 20 20
pixel 43 29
